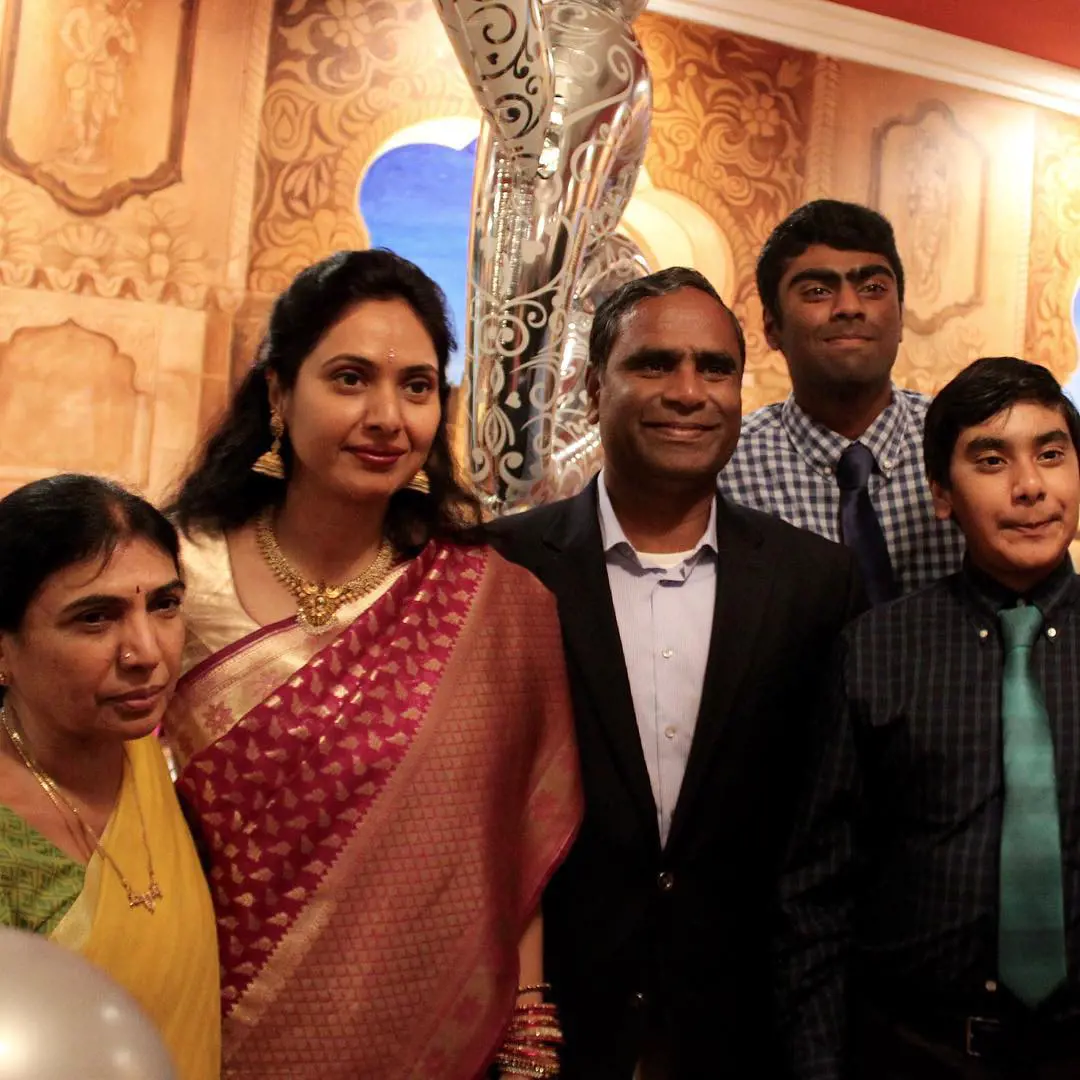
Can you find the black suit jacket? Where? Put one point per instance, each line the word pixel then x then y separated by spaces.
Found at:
pixel 669 951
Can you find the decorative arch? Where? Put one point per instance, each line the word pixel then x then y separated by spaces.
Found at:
pixel 414 196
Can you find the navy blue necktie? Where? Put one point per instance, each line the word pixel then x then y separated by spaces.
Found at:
pixel 860 528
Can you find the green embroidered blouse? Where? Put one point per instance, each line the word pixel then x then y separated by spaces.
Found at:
pixel 38 882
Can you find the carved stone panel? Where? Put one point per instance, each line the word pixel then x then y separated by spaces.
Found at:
pixel 94 96
pixel 100 386
pixel 69 403
pixel 1054 285
pixel 930 180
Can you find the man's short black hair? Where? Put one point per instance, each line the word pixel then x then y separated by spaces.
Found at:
pixel 608 318
pixel 841 225
pixel 982 390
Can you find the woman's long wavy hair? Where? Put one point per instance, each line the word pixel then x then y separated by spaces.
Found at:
pixel 221 492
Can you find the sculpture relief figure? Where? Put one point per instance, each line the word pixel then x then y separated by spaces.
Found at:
pixel 100 38
pixel 931 205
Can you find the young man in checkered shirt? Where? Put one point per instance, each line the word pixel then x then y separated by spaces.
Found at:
pixel 832 286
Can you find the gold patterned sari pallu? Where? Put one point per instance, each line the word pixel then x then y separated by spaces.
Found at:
pixel 318 766
pixel 356 796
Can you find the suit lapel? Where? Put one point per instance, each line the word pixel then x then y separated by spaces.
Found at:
pixel 577 574
pixel 743 586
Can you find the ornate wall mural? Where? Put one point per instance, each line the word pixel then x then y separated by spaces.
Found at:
pixel 128 132
pixel 343 79
pixel 115 79
pixel 127 139
pixel 289 101
pixel 1054 281
pixel 115 384
pixel 929 178
pixel 37 363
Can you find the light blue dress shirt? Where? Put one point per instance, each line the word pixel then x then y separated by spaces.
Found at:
pixel 664 607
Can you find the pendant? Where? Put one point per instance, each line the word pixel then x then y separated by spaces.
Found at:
pixel 315 623
pixel 146 899
pixel 317 608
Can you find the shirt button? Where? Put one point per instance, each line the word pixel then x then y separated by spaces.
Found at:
pixel 670 733
pixel 1051 632
pixel 984 634
pixel 666 881
pixel 667 654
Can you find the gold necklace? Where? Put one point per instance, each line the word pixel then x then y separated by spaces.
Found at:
pixel 153 893
pixel 317 603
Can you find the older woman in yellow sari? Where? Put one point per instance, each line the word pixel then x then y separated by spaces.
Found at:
pixel 375 730
pixel 94 850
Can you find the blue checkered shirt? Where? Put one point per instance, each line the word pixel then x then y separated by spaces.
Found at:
pixel 785 464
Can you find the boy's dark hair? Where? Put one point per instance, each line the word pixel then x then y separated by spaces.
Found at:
pixel 609 315
pixel 841 225
pixel 982 390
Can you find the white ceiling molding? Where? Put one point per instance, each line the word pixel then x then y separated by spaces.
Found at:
pixel 849 34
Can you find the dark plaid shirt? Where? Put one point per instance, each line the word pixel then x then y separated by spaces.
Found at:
pixel 897 853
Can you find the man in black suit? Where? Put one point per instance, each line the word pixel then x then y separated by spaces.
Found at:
pixel 696 635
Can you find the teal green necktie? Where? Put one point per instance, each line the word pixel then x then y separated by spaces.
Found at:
pixel 1031 926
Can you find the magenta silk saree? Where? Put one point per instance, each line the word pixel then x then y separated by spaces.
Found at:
pixel 383 808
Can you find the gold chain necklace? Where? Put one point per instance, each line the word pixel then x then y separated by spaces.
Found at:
pixel 153 893
pixel 317 603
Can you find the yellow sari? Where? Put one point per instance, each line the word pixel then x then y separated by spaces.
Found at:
pixel 166 960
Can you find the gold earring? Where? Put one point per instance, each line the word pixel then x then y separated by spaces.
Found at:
pixel 270 463
pixel 4 677
pixel 419 483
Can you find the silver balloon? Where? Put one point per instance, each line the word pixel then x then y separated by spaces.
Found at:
pixel 61 1017
pixel 501 47
pixel 535 234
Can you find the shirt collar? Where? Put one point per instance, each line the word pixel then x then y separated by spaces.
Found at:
pixel 613 537
pixel 989 594
pixel 886 438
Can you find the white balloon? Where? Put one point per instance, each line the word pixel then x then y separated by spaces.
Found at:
pixel 63 1018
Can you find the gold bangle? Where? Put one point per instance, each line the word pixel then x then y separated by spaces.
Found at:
pixel 536 988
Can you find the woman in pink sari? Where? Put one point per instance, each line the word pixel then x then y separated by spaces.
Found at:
pixel 383 766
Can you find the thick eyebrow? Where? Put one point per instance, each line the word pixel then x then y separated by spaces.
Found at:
pixel 720 358
pixel 856 275
pixel 1058 435
pixel 654 355
pixel 984 443
pixel 362 361
pixel 651 355
pixel 97 600
pixel 350 358
pixel 993 442
pixel 420 369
